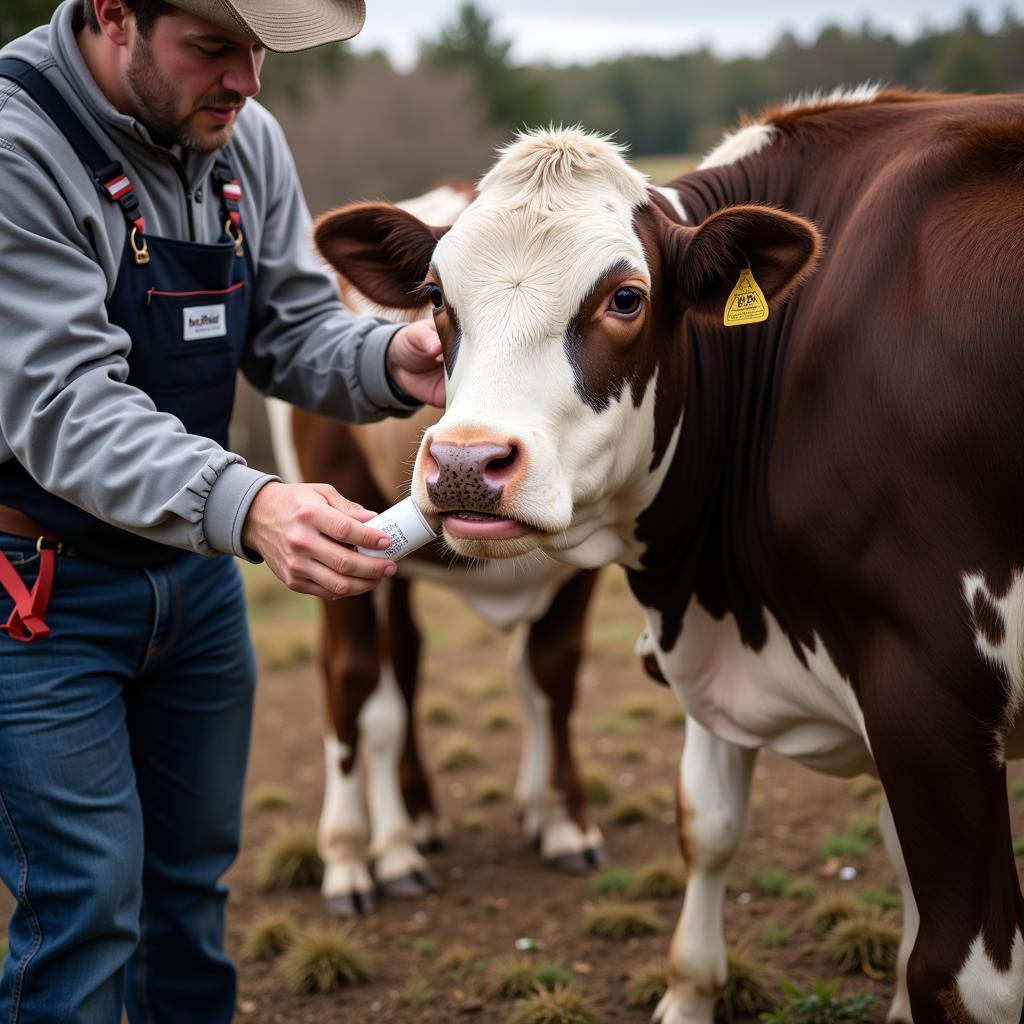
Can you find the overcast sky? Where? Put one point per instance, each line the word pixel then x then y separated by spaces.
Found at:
pixel 567 31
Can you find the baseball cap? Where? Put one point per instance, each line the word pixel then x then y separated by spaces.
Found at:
pixel 283 25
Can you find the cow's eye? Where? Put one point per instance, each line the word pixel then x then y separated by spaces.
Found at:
pixel 436 296
pixel 627 301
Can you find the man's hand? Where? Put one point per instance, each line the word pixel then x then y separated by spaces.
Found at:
pixel 302 530
pixel 416 364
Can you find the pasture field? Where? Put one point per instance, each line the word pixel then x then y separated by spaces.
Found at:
pixel 438 960
pixel 666 166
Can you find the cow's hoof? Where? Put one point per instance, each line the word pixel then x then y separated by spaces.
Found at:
pixel 432 844
pixel 351 904
pixel 581 862
pixel 415 884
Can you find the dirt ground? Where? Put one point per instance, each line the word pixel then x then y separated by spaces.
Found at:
pixel 495 890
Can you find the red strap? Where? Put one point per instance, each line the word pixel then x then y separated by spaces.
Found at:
pixel 26 620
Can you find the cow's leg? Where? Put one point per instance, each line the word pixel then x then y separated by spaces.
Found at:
pixel 935 742
pixel 404 642
pixel 713 798
pixel 400 869
pixel 899 1009
pixel 349 658
pixel 548 788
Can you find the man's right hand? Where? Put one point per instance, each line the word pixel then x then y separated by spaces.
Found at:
pixel 303 532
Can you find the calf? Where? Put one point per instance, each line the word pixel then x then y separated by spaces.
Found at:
pixel 819 512
pixel 370 649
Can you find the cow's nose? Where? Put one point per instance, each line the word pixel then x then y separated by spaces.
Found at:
pixel 469 476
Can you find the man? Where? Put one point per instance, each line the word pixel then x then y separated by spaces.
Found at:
pixel 153 239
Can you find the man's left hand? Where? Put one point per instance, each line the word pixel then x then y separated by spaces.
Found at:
pixel 415 362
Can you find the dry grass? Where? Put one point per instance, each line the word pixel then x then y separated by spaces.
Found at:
pixel 458 752
pixel 867 941
pixel 639 707
pixel 828 911
pixel 597 785
pixel 271 797
pixel 611 919
pixel 439 711
pixel 459 961
pixel 270 936
pixel 629 811
pixel 490 790
pixel 499 717
pixel 659 880
pixel 647 984
pixel 473 821
pixel 513 979
pixel 563 1005
pixel 323 960
pixel 746 993
pixel 290 861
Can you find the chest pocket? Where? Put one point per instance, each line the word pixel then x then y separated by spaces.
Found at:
pixel 192 342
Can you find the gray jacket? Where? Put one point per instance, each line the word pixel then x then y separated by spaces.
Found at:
pixel 66 411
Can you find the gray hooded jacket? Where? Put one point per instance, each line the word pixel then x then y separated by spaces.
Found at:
pixel 66 411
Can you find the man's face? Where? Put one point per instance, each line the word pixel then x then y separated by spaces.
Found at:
pixel 190 78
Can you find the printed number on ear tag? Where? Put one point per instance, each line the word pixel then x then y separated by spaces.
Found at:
pixel 746 303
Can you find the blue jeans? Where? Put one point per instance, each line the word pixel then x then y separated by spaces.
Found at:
pixel 123 744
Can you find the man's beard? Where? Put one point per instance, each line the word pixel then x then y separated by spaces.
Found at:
pixel 155 98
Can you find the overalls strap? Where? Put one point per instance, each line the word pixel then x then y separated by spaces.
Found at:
pixel 108 174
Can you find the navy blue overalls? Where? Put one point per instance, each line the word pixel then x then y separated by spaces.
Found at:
pixel 185 306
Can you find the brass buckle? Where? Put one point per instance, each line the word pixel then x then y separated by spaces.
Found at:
pixel 236 238
pixel 55 546
pixel 141 252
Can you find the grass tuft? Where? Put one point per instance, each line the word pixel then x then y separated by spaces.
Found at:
pixel 868 941
pixel 801 889
pixel 745 991
pixel 821 1005
pixel 771 883
pixel 846 844
pixel 550 975
pixel 271 797
pixel 659 880
pixel 884 898
pixel 629 811
pixel 865 786
pixel 269 937
pixel 513 978
pixel 598 787
pixel 487 687
pixel 290 861
pixel 459 751
pixel 617 725
pixel 563 1005
pixel 498 718
pixel 323 960
pixel 775 936
pixel 419 993
pixel 424 946
pixel 458 961
pixel 612 881
pixel 473 821
pixel 610 919
pixel 647 984
pixel 638 707
pixel 439 711
pixel 490 790
pixel 828 911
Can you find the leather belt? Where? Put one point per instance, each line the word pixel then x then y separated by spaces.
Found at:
pixel 14 521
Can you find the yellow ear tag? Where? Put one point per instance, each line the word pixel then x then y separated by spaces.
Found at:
pixel 746 303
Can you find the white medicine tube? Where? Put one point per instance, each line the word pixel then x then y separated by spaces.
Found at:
pixel 407 527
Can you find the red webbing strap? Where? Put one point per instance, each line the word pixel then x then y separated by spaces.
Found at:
pixel 26 620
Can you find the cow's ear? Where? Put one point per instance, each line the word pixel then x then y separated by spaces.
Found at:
pixel 780 250
pixel 381 249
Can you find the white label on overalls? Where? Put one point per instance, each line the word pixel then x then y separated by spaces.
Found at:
pixel 205 322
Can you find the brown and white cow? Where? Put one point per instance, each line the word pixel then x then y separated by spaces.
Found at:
pixel 821 513
pixel 377 796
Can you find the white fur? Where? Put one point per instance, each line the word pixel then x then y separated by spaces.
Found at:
pixel 672 195
pixel 1007 657
pixel 343 830
pixel 989 994
pixel 742 142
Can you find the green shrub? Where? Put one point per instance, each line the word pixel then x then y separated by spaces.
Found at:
pixel 821 1005
pixel 612 881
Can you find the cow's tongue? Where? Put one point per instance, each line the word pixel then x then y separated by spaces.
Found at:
pixel 469 525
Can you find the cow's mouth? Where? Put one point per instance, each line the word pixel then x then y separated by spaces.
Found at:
pixel 468 525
